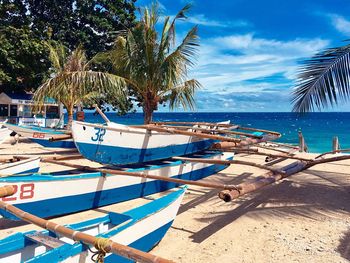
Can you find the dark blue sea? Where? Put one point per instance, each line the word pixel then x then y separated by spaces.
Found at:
pixel 317 128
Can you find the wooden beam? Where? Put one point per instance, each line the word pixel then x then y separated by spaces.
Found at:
pixel 261 181
pixel 60 137
pixel 6 190
pixel 223 162
pixel 142 175
pixel 269 177
pixel 219 131
pixel 213 124
pixel 188 133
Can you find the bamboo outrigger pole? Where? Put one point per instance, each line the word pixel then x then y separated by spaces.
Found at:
pixel 261 181
pixel 143 175
pixel 221 131
pixel 269 178
pixel 212 161
pixel 173 130
pixel 213 124
pixel 6 190
pixel 108 247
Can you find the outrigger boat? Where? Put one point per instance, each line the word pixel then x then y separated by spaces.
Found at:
pixel 42 135
pixel 141 228
pixel 48 195
pixel 118 144
pixel 20 167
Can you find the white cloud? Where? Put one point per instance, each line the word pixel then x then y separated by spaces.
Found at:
pixel 201 19
pixel 341 24
pixel 232 60
pixel 254 69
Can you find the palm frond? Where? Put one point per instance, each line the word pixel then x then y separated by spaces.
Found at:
pixel 323 80
pixel 184 95
pixel 180 15
pixel 57 55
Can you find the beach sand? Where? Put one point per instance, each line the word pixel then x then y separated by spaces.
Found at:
pixel 304 218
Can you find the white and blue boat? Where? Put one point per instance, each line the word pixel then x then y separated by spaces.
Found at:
pixel 47 195
pixel 24 167
pixel 118 144
pixel 42 135
pixel 141 228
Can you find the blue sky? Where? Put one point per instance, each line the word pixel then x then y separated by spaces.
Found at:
pixel 250 50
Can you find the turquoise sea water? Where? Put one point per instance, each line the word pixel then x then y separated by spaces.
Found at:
pixel 317 128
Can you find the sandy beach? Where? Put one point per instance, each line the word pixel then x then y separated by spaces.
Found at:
pixel 304 218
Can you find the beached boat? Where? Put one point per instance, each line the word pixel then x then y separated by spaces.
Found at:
pixel 22 167
pixel 4 133
pixel 118 144
pixel 55 194
pixel 42 135
pixel 141 228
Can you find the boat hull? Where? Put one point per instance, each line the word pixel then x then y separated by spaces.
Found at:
pixel 42 135
pixel 62 194
pixel 141 228
pixel 125 145
pixel 28 166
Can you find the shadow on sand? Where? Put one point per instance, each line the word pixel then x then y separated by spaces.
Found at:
pixel 313 195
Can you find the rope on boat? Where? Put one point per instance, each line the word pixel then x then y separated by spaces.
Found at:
pixel 100 244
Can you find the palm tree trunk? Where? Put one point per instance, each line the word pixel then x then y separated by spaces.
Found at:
pixel 70 111
pixel 147 115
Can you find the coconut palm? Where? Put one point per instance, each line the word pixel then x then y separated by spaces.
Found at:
pixel 73 83
pixel 323 80
pixel 154 68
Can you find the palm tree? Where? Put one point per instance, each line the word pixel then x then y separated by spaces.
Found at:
pixel 154 68
pixel 323 80
pixel 73 83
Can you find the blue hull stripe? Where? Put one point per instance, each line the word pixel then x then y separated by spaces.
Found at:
pixel 35 170
pixel 145 243
pixel 120 155
pixel 71 204
pixel 57 144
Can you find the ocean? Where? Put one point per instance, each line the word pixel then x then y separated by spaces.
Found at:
pixel 317 128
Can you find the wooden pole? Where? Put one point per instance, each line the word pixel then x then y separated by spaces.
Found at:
pixel 212 161
pixel 285 145
pixel 219 131
pixel 188 133
pixel 261 181
pixel 277 155
pixel 259 130
pixel 109 247
pixel 101 113
pixel 269 177
pixel 212 124
pixel 6 190
pixel 332 152
pixel 142 175
pixel 60 137
pixel 335 145
pixel 301 142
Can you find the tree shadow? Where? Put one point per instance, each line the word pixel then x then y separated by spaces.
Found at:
pixel 344 246
pixel 312 195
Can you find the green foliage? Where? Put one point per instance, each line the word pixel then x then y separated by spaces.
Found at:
pixel 26 24
pixel 90 23
pixel 73 83
pixel 323 80
pixel 154 68
pixel 23 59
